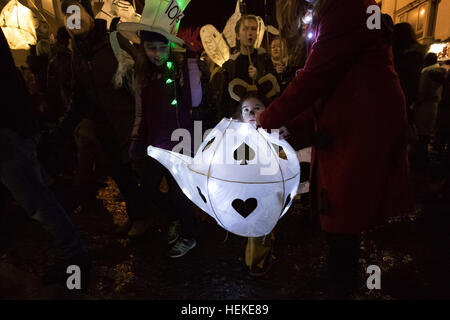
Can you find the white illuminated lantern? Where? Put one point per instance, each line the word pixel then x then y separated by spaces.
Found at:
pixel 19 25
pixel 243 177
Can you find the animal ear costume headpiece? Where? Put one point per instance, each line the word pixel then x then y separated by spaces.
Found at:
pixel 266 86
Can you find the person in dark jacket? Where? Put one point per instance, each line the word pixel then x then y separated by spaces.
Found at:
pixel 360 174
pixel 110 109
pixel 59 75
pixel 408 61
pixel 426 107
pixel 206 112
pixel 20 171
pixel 249 64
pixel 57 156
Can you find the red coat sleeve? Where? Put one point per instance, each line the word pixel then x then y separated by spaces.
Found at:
pixel 340 34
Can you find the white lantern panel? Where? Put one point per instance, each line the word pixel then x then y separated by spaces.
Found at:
pixel 19 25
pixel 191 183
pixel 246 179
pixel 241 209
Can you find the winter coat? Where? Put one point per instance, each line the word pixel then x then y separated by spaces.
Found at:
pixel 360 169
pixel 16 112
pixel 156 117
pixel 430 93
pixel 443 118
pixel 94 95
pixel 408 64
pixel 59 76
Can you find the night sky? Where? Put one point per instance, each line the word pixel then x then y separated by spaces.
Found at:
pixel 217 12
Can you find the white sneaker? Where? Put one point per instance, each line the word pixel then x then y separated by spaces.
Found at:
pixel 181 247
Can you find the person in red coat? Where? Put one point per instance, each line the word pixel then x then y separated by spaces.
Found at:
pixel 360 172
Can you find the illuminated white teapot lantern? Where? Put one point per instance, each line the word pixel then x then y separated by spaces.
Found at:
pixel 243 177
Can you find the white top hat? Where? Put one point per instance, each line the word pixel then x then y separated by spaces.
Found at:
pixel 160 16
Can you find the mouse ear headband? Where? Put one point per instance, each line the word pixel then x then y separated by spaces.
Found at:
pixel 266 86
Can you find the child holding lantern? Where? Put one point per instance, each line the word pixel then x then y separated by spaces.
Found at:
pixel 253 99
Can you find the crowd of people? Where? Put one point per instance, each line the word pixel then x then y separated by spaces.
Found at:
pixel 92 99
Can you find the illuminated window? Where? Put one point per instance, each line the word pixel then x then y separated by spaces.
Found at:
pixel 422 18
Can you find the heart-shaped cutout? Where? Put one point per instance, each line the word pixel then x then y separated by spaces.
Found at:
pixel 245 208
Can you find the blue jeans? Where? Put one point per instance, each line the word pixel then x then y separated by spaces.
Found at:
pixel 20 173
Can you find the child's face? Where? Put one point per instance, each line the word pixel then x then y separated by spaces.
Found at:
pixel 157 52
pixel 251 108
pixel 276 49
pixel 43 27
pixel 248 32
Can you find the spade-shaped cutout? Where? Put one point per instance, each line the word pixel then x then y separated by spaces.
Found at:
pixel 245 208
pixel 288 200
pixel 201 195
pixel 280 150
pixel 210 142
pixel 244 153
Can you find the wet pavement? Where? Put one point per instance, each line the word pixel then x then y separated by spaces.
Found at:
pixel 412 252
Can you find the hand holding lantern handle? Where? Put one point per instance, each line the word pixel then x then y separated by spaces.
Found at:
pixel 283 131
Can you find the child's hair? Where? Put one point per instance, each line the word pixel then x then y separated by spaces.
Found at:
pixel 39 33
pixel 237 28
pixel 283 46
pixel 248 95
pixel 43 47
pixel 242 19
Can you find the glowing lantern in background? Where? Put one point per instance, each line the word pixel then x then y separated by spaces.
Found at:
pixel 118 8
pixel 19 25
pixel 442 50
pixel 217 45
pixel 243 177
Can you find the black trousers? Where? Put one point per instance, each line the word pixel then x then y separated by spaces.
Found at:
pixel 422 151
pixel 4 196
pixel 178 207
pixel 121 171
pixel 343 264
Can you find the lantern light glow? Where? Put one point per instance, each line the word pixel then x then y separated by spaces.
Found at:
pixel 229 179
